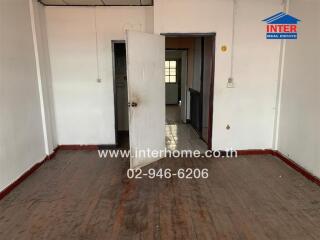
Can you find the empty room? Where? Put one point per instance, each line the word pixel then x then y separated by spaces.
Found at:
pixel 159 119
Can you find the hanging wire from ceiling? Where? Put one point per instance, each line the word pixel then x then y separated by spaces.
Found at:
pixel 285 3
pixel 97 44
pixel 233 38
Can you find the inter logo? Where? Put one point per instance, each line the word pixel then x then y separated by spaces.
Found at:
pixel 282 26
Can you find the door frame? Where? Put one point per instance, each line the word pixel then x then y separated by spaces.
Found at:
pixel 113 42
pixel 211 90
pixel 186 50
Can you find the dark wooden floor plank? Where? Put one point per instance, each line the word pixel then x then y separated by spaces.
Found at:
pixel 79 196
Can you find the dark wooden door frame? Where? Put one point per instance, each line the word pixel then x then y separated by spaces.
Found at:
pixel 201 89
pixel 211 95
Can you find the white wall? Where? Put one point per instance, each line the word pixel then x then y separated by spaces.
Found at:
pixel 85 108
pixel 21 129
pixel 299 132
pixel 249 108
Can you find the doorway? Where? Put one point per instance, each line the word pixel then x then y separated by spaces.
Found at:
pixel 189 90
pixel 120 94
pixel 152 79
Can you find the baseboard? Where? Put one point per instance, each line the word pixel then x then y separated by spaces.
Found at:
pixel 75 147
pixel 108 146
pixel 296 167
pixel 25 175
pixel 78 147
pixel 53 154
pixel 254 152
pixel 13 185
pixel 285 159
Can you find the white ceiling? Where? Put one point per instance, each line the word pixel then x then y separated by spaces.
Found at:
pixel 97 2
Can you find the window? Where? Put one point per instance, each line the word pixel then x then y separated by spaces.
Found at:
pixel 171 71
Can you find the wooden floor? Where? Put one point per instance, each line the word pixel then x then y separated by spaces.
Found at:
pixel 79 196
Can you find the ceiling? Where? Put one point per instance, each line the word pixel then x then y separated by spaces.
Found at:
pixel 97 2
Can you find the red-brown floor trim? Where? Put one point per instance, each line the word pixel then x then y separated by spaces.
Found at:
pixel 296 167
pixel 254 152
pixel 285 159
pixel 13 185
pixel 78 147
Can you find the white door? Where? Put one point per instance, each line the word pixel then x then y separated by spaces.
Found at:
pixel 146 97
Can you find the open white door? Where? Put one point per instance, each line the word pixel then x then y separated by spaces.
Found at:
pixel 146 94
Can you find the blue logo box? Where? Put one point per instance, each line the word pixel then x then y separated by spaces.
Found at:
pixel 282 36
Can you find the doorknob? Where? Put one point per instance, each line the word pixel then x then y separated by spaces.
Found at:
pixel 133 104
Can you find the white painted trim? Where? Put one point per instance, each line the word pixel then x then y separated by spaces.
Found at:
pixel 36 53
pixel 275 143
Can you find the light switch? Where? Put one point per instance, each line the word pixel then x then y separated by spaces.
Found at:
pixel 230 83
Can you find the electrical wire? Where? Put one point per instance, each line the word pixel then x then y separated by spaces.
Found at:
pixel 97 42
pixel 233 37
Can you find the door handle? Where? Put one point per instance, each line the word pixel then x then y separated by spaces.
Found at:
pixel 133 104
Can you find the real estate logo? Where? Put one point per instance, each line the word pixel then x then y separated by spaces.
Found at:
pixel 282 26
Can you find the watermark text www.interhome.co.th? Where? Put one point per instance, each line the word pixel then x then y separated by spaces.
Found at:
pixel 148 153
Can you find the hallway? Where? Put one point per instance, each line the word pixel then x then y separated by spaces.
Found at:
pixel 181 136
